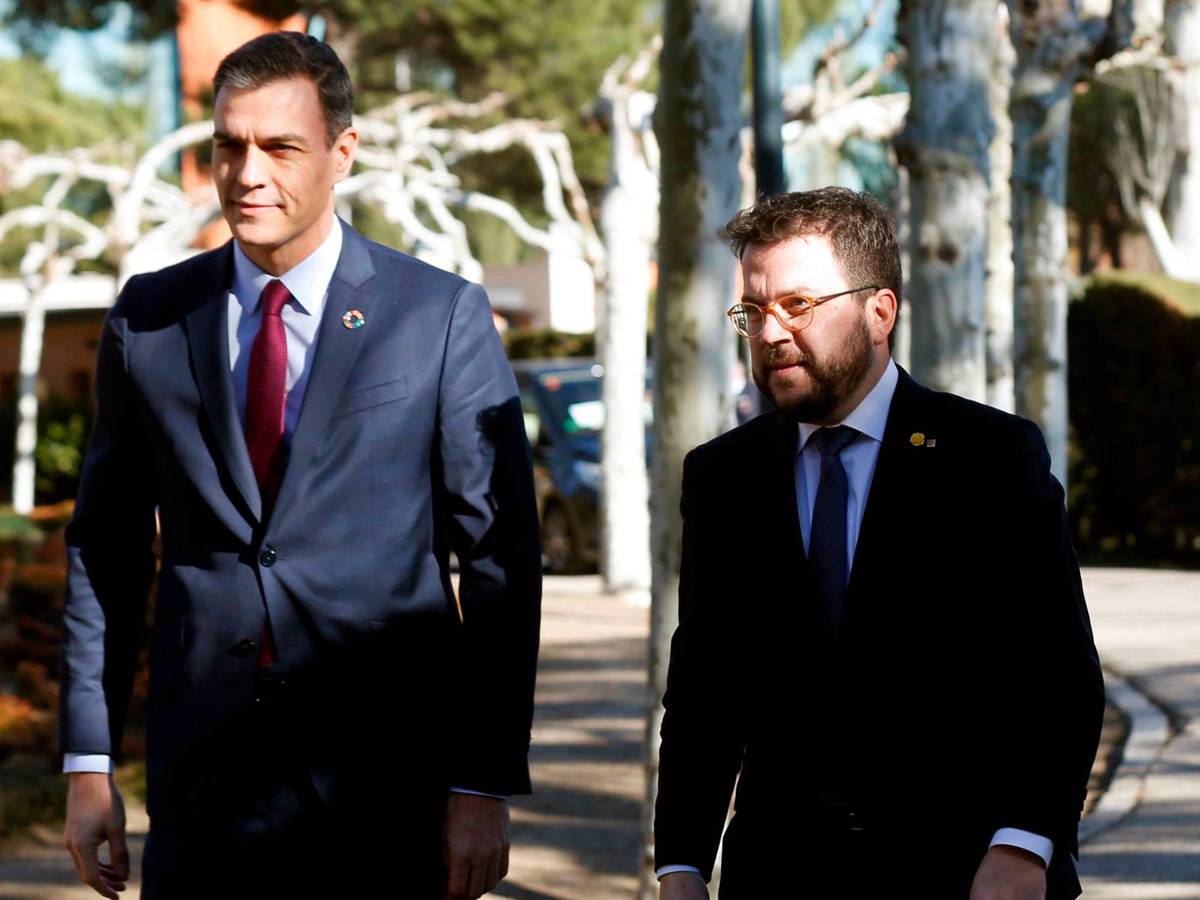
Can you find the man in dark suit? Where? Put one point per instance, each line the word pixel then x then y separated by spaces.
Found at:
pixel 880 615
pixel 317 421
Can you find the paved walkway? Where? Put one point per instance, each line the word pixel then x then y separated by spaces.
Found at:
pixel 577 838
pixel 1147 626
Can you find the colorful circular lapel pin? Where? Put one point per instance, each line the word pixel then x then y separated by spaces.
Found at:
pixel 353 319
pixel 916 439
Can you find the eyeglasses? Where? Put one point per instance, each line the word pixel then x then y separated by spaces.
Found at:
pixel 794 312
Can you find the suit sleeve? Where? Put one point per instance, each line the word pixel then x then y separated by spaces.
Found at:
pixel 703 729
pixel 487 501
pixel 109 558
pixel 1056 696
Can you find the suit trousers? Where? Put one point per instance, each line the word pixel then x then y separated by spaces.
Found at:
pixel 832 856
pixel 278 836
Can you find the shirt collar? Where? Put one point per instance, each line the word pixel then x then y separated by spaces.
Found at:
pixel 870 416
pixel 307 281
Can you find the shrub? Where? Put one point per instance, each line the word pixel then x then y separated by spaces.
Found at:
pixel 539 343
pixel 1135 468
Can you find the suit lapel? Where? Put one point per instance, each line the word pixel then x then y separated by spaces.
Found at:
pixel 208 344
pixel 337 349
pixel 885 499
pixel 783 510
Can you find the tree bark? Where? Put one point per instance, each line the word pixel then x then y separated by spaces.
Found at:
pixel 698 122
pixel 944 147
pixel 998 289
pixel 629 224
pixel 1055 49
pixel 1183 205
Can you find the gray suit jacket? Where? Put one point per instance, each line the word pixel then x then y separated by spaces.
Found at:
pixel 409 445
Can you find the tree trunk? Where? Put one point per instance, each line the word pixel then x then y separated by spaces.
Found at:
pixel 1055 49
pixel 629 222
pixel 698 122
pixel 998 289
pixel 1183 206
pixel 33 326
pixel 944 147
pixel 1171 257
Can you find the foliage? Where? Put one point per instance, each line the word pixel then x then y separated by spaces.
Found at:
pixel 1135 463
pixel 40 114
pixel 1183 295
pixel 1092 192
pixel 30 20
pixel 547 59
pixel 32 790
pixel 63 428
pixel 43 117
pixel 540 343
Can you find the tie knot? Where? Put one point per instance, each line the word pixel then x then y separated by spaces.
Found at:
pixel 274 296
pixel 832 441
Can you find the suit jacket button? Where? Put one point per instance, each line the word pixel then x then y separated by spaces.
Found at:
pixel 243 648
pixel 267 556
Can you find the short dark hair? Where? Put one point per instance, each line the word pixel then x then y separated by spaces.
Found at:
pixel 860 228
pixel 277 55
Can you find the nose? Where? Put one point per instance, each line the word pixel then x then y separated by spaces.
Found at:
pixel 772 332
pixel 252 172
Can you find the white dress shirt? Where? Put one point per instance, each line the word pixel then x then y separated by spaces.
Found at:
pixel 859 459
pixel 308 283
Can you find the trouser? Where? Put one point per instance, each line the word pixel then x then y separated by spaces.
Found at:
pixel 370 831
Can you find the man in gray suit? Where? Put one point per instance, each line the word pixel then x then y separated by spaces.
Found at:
pixel 317 421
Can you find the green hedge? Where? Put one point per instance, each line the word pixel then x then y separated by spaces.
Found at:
pixel 540 343
pixel 1134 381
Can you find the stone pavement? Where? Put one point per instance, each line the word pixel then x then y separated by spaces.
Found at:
pixel 577 837
pixel 1147 627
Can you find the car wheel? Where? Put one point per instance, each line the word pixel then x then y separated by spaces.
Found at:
pixel 558 545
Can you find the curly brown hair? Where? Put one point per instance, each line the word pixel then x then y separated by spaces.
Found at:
pixel 860 228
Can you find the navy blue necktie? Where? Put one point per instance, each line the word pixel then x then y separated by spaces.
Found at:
pixel 827 537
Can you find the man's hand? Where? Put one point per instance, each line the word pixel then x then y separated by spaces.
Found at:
pixel 1009 873
pixel 682 886
pixel 95 815
pixel 474 845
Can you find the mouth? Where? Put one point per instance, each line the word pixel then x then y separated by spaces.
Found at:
pixel 253 210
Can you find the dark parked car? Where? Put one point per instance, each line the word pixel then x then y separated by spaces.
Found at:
pixel 563 410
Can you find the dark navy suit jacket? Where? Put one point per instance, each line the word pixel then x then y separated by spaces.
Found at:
pixel 963 693
pixel 410 444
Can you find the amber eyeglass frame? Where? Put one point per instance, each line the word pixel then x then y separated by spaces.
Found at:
pixel 773 308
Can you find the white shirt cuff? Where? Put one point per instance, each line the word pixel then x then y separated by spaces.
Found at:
pixel 667 870
pixel 87 762
pixel 1026 840
pixel 458 790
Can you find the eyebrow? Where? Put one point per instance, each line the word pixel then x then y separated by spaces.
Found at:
pixel 286 138
pixel 782 295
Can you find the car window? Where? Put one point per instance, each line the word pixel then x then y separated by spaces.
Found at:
pixel 575 397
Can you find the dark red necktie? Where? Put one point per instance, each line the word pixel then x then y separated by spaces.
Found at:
pixel 266 393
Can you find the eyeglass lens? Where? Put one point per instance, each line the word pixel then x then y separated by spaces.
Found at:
pixel 793 312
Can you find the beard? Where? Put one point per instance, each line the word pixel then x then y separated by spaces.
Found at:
pixel 831 379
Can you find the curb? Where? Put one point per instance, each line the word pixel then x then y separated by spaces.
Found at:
pixel 1149 731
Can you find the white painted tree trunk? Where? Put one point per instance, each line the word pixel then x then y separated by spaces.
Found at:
pixel 998 284
pixel 1174 261
pixel 1054 47
pixel 944 147
pixel 629 225
pixel 33 326
pixel 698 122
pixel 1040 132
pixel 1183 208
